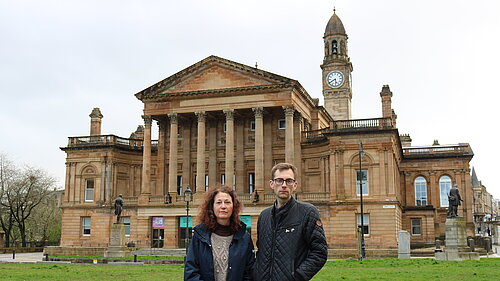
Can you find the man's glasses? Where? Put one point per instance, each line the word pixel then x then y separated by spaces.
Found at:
pixel 280 181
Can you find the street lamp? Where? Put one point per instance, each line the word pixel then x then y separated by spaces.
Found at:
pixel 188 197
pixel 360 176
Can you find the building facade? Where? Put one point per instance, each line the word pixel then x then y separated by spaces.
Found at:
pixel 220 121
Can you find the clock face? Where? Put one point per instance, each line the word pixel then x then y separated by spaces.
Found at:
pixel 335 79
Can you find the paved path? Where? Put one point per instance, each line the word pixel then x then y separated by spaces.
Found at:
pixel 22 257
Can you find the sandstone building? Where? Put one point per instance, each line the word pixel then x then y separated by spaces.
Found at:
pixel 220 121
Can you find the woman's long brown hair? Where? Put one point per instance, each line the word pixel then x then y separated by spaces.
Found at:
pixel 207 215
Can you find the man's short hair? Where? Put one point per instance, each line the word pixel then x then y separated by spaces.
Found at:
pixel 283 166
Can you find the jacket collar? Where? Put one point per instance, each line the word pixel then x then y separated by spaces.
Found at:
pixel 206 234
pixel 284 209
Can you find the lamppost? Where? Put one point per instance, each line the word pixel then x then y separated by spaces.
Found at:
pixel 188 197
pixel 360 176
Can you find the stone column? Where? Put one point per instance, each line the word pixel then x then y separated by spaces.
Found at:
pixel 146 156
pixel 289 147
pixel 200 153
pixel 161 159
pixel 172 160
pixel 297 149
pixel 229 147
pixel 212 154
pixel 67 186
pixel 259 148
pixel 433 197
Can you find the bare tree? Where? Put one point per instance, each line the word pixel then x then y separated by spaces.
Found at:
pixel 23 191
pixel 44 224
pixel 7 172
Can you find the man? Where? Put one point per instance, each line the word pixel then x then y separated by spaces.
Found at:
pixel 454 199
pixel 118 207
pixel 290 238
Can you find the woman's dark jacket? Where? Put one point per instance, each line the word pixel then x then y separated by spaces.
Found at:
pixel 199 261
pixel 291 242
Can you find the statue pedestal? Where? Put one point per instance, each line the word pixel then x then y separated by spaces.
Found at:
pixel 117 246
pixel 456 242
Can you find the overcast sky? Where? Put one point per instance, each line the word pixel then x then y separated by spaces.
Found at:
pixel 60 59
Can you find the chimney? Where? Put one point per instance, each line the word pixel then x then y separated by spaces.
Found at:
pixel 405 140
pixel 386 96
pixel 95 122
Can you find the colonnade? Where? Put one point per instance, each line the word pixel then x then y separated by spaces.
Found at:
pixel 201 149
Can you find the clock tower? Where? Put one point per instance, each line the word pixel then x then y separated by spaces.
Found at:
pixel 337 70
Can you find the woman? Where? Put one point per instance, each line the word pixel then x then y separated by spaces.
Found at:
pixel 221 248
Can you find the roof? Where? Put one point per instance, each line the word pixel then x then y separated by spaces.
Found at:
pixel 334 26
pixel 170 85
pixel 475 181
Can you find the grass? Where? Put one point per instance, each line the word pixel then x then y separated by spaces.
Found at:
pixel 410 269
pixel 376 269
pixel 124 258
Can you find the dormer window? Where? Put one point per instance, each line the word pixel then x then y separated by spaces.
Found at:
pixel 335 47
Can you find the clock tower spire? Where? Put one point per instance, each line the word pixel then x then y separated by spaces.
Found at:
pixel 336 71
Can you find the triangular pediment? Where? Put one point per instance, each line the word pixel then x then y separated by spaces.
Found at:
pixel 212 74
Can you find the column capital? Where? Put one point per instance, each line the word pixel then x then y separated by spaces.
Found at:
pixel 289 110
pixel 201 116
pixel 173 118
pixel 147 120
pixel 258 111
pixel 229 114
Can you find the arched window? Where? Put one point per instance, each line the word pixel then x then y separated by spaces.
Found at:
pixel 420 191
pixel 335 48
pixel 444 190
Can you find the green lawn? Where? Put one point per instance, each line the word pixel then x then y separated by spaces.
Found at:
pixel 139 258
pixel 377 269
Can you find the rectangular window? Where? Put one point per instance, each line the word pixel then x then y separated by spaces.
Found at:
pixel 252 126
pixel 364 176
pixel 158 238
pixel 416 226
pixel 281 124
pixel 225 127
pixel 179 185
pixel 223 179
pixel 86 226
pixel 196 181
pixel 247 220
pixel 366 223
pixel 251 182
pixel 89 190
pixel 126 222
pixel 185 228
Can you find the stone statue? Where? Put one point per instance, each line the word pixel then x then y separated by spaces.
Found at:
pixel 118 207
pixel 454 200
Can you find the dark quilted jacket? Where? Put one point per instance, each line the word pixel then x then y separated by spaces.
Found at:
pixel 291 242
pixel 199 261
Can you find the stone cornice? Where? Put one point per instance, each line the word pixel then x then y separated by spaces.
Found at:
pixel 216 92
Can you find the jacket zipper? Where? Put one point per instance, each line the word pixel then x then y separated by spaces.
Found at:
pixel 271 269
